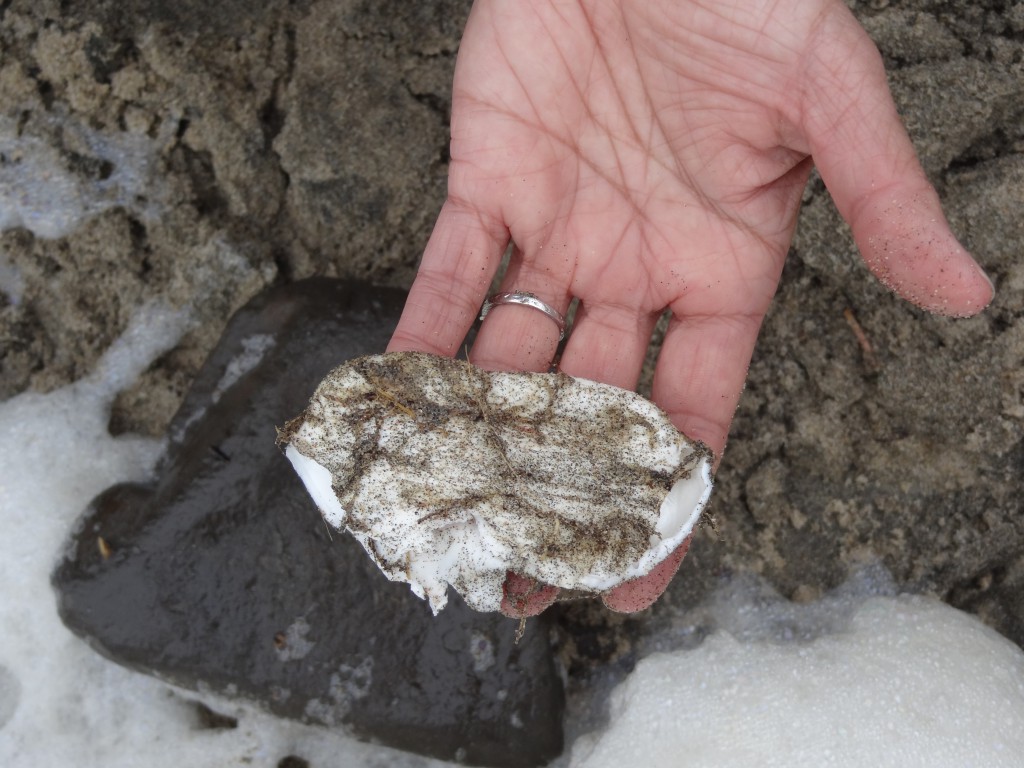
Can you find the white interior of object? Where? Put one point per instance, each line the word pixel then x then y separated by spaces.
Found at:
pixel 432 558
pixel 684 503
pixel 317 480
pixel 909 683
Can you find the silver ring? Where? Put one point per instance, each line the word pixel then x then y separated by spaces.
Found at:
pixel 527 300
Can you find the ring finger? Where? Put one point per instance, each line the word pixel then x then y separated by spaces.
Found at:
pixel 515 336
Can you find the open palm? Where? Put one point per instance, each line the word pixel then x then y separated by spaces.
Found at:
pixel 644 154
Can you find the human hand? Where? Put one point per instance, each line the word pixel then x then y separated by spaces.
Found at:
pixel 645 154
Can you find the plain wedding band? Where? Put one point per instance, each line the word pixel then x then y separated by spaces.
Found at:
pixel 526 299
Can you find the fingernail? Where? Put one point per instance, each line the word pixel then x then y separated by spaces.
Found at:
pixel 988 279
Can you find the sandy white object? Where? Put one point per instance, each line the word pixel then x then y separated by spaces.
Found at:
pixel 447 474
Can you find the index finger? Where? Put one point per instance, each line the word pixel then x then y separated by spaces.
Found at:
pixel 461 257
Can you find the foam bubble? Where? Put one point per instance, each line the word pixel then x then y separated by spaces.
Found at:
pixel 38 191
pixel 898 681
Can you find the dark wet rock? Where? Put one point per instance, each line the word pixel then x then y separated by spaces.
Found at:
pixel 222 574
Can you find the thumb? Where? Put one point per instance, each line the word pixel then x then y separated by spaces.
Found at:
pixel 871 170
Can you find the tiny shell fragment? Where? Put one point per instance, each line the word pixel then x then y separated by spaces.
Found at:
pixel 448 474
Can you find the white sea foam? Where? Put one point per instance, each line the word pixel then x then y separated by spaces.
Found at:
pixel 253 349
pixel 60 703
pixel 853 680
pixel 38 191
pixel 12 284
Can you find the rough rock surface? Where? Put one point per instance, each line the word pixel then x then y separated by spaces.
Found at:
pixel 285 138
pixel 259 140
pixel 222 575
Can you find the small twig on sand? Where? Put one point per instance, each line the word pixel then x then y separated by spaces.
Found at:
pixel 870 360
